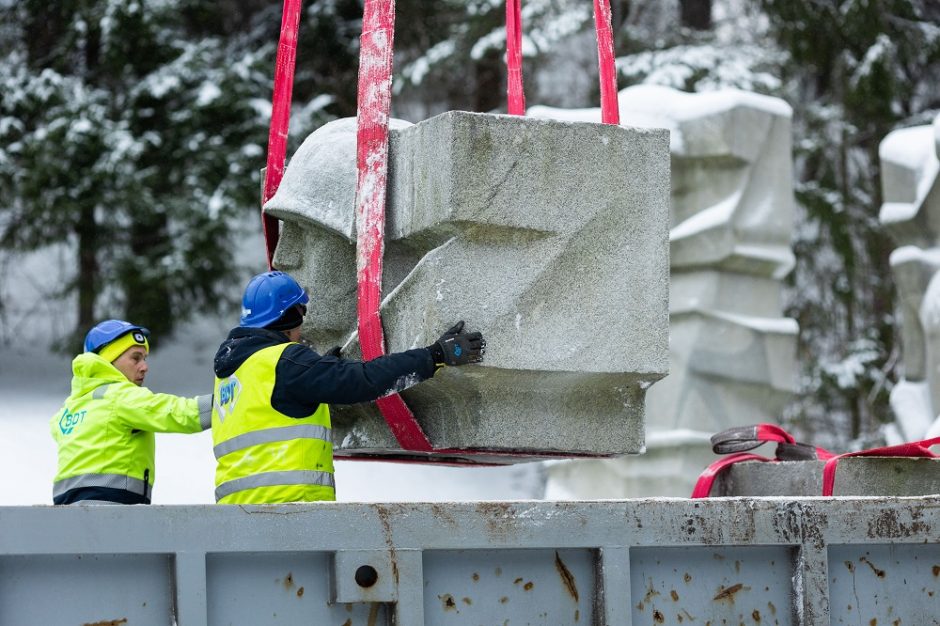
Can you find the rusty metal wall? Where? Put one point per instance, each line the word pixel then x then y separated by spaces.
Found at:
pixel 808 561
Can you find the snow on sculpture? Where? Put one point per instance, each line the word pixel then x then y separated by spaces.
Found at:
pixel 732 353
pixel 911 214
pixel 549 237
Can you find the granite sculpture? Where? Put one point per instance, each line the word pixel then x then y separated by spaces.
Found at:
pixel 549 237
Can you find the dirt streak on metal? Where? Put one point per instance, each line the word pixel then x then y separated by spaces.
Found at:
pixel 385 514
pixel 107 622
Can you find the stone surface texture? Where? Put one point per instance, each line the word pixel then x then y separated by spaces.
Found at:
pixel 910 178
pixel 549 237
pixel 732 352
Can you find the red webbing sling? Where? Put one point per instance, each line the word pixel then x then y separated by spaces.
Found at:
pixel 515 94
pixel 736 440
pixel 374 106
pixel 280 118
pixel 914 449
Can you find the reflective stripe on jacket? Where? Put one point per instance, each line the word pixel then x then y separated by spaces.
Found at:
pixel 265 456
pixel 104 433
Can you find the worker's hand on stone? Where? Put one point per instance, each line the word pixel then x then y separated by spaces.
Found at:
pixel 457 347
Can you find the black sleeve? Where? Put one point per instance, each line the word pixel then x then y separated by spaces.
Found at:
pixel 304 379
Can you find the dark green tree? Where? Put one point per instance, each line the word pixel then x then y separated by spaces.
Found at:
pixel 133 131
pixel 857 70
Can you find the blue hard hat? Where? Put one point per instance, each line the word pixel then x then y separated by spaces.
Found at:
pixel 268 296
pixel 109 330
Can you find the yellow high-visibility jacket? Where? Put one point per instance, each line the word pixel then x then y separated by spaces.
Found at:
pixel 105 433
pixel 265 456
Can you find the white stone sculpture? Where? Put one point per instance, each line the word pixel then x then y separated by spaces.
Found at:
pixel 551 238
pixel 732 353
pixel 911 214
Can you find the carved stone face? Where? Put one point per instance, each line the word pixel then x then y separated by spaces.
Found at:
pixel 530 231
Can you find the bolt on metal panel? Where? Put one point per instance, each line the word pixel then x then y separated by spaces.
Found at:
pixel 285 588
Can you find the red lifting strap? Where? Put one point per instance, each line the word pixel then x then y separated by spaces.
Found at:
pixel 374 106
pixel 280 118
pixel 913 449
pixel 748 437
pixel 515 95
pixel 610 111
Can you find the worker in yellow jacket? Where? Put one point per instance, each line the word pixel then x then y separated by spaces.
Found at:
pixel 105 430
pixel 271 422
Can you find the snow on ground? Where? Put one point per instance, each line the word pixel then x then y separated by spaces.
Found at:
pixel 34 383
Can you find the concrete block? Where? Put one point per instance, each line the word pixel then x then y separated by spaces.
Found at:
pixel 549 237
pixel 855 476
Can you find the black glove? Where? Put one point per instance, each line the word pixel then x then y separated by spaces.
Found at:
pixel 456 347
pixel 336 351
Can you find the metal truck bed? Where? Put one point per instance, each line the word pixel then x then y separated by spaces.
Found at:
pixel 724 561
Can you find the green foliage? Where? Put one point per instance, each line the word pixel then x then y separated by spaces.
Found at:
pixel 136 132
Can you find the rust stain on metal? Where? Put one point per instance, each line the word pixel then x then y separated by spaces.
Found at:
pixel 755 615
pixel 447 601
pixel 674 595
pixel 873 622
pixel 566 577
pixel 577 615
pixel 466 600
pixel 503 600
pixel 517 581
pixel 443 513
pixel 300 592
pixel 500 517
pixel 475 577
pixel 687 577
pixel 880 573
pixel 373 618
pixel 936 570
pixel 640 606
pixel 850 565
pixel 528 586
pixel 658 617
pixel 896 622
pixel 651 592
pixel 385 514
pixel 348 622
pixel 107 622
pixel 727 593
pixel 773 609
pixel 289 581
pixel 888 525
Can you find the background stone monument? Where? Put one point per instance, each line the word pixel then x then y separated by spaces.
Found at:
pixel 732 353
pixel 911 214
